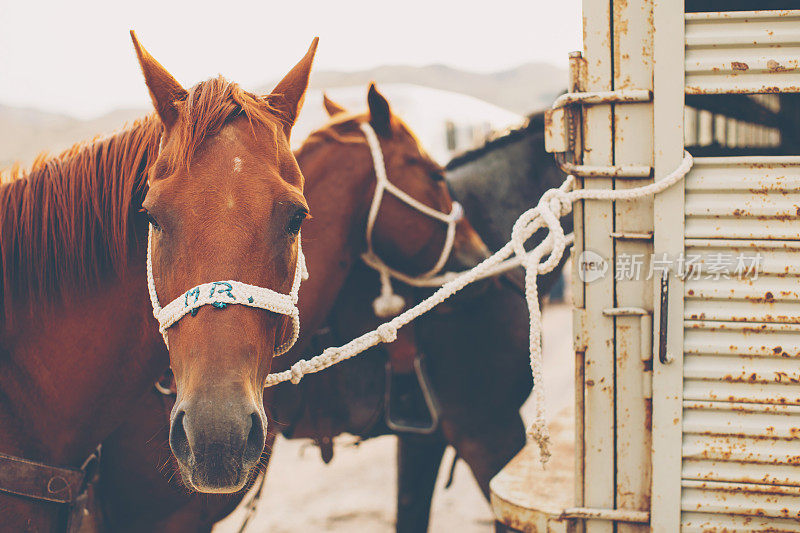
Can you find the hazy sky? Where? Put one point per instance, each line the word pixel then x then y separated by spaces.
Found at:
pixel 75 56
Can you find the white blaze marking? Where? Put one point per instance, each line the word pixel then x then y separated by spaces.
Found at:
pixel 237 164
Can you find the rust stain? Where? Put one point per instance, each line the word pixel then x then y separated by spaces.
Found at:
pixel 774 66
pixel 737 65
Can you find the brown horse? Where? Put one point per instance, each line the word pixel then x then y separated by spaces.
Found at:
pixel 78 343
pixel 336 161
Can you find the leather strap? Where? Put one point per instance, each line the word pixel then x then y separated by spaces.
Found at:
pixel 40 481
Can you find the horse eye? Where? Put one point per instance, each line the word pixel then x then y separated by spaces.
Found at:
pixel 293 228
pixel 151 220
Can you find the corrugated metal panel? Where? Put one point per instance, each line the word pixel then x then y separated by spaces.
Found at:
pixel 741 366
pixel 743 52
pixel 743 198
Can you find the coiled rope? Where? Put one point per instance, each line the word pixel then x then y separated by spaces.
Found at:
pixel 554 204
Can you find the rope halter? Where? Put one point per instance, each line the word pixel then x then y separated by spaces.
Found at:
pixel 220 294
pixel 388 303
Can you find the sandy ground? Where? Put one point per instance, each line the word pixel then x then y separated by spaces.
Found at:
pixel 356 491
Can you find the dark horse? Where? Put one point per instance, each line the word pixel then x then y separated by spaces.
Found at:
pixel 476 354
pixel 78 343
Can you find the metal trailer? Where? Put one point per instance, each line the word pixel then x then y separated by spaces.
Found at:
pixel 687 386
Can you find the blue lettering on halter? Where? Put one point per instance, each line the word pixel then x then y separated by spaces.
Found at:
pixel 191 292
pixel 227 289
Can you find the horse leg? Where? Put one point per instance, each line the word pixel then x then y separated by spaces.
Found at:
pixel 488 448
pixel 418 460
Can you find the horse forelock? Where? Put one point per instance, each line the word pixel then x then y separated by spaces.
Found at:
pixel 209 105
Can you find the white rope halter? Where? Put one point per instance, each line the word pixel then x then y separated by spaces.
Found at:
pixel 389 303
pixel 220 294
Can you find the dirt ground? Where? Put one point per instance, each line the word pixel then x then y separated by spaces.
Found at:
pixel 356 491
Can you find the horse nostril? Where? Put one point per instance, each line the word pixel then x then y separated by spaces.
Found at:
pixel 178 440
pixel 255 439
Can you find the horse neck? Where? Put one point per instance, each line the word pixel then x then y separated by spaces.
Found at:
pixel 70 373
pixel 73 360
pixel 339 185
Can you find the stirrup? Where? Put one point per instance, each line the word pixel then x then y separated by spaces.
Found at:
pixel 403 425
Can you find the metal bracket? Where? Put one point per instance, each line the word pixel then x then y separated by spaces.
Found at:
pixel 614 515
pixel 632 235
pixel 645 340
pixel 620 96
pixel 614 171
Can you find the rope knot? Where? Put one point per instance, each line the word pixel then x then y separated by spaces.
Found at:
pixel 387 332
pixel 297 372
pixel 558 202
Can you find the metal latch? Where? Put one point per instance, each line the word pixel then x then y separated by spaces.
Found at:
pixel 561 129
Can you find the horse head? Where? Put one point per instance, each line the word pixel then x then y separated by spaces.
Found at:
pixel 225 202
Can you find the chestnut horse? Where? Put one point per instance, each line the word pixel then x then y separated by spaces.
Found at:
pixel 213 175
pixel 341 180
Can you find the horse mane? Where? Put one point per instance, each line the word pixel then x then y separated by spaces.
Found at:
pixel 71 220
pixel 534 124
pixel 344 128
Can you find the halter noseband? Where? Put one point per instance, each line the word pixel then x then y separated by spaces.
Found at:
pixel 389 303
pixel 220 294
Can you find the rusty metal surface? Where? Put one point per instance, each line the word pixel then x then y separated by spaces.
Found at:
pixel 556 131
pixel 743 52
pixel 531 499
pixel 614 515
pixel 743 198
pixel 621 96
pixel 741 391
pixel 612 171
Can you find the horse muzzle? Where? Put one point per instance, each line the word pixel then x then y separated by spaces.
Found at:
pixel 217 443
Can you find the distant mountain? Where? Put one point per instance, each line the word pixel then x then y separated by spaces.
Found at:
pixel 24 133
pixel 523 89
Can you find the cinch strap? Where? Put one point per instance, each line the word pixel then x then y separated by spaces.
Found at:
pixel 220 294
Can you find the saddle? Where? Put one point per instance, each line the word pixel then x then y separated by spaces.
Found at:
pixel 409 404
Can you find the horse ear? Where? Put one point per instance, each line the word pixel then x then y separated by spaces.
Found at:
pixel 287 96
pixel 332 107
pixel 164 89
pixel 380 115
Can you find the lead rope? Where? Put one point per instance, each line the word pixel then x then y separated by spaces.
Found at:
pixel 553 205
